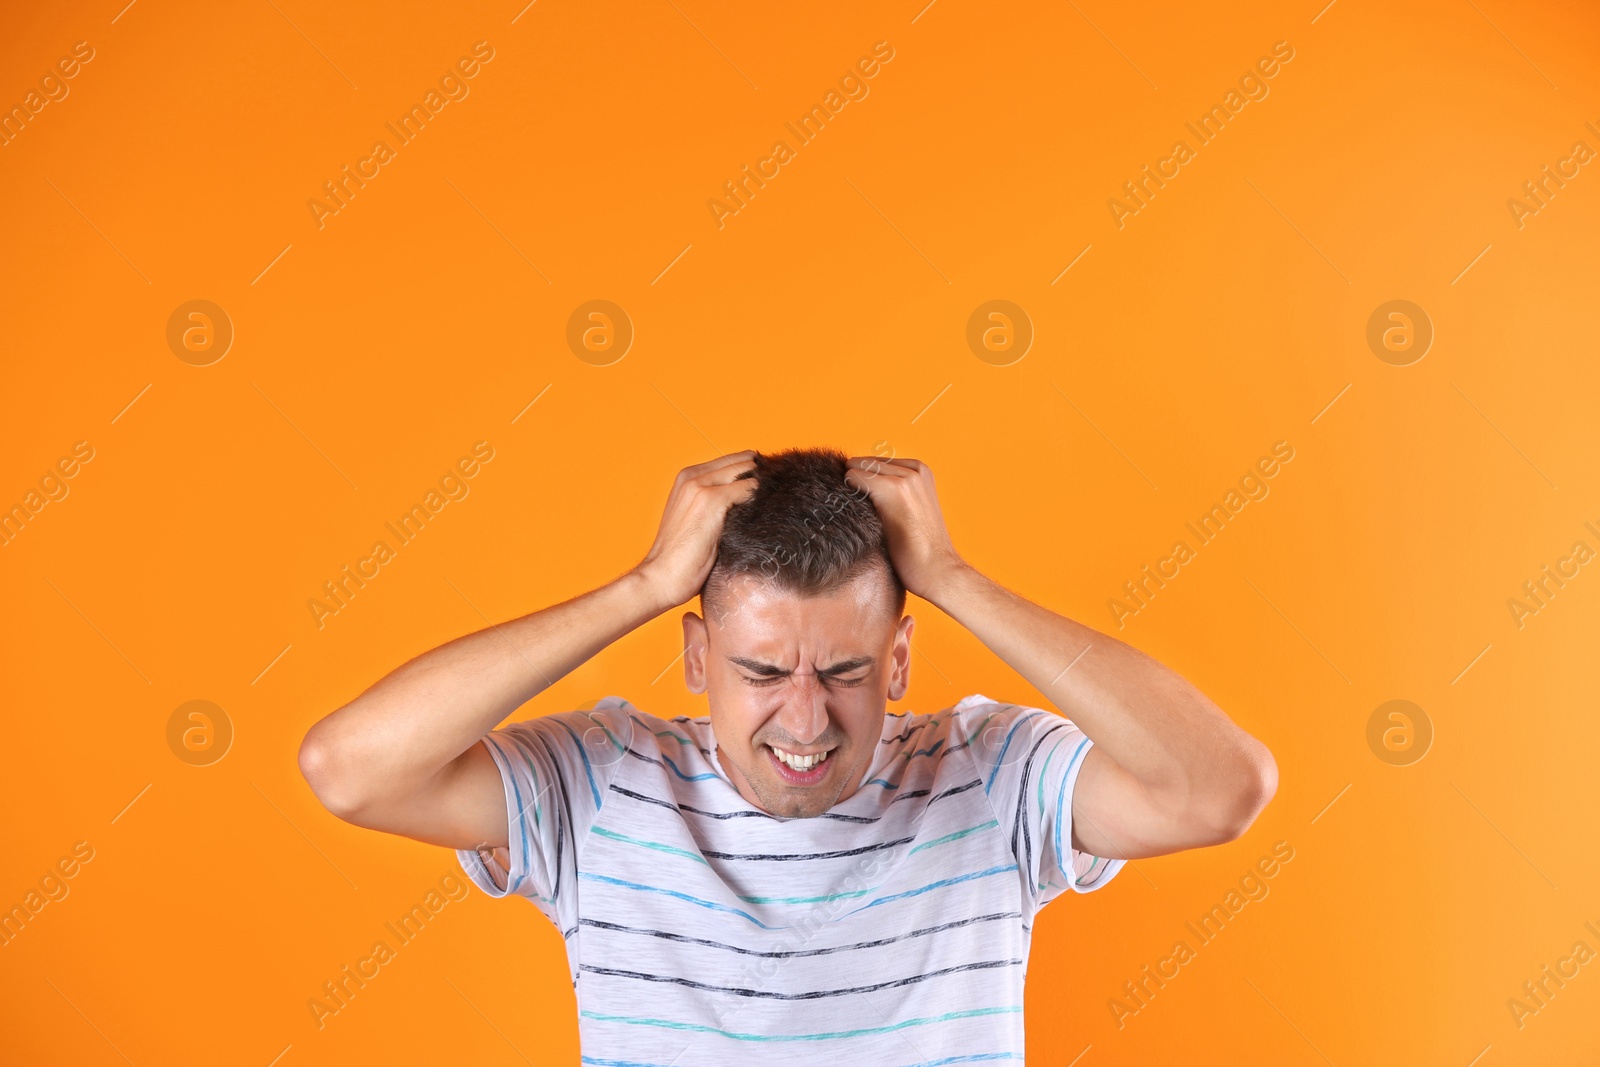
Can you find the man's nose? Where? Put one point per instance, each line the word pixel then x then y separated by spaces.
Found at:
pixel 805 708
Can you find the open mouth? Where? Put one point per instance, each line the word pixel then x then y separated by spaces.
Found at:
pixel 800 769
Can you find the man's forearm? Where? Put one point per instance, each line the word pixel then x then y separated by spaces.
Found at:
pixel 1147 717
pixel 425 713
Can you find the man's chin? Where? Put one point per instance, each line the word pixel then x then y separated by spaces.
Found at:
pixel 795 809
pixel 788 801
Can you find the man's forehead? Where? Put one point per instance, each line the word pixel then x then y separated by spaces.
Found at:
pixel 865 599
pixel 799 642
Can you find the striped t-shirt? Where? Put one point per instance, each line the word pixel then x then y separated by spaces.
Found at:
pixel 892 930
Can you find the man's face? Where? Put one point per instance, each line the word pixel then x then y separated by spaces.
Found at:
pixel 808 675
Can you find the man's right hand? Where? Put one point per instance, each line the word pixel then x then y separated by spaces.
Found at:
pixel 686 544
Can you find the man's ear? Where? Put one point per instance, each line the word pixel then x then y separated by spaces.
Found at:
pixel 695 643
pixel 900 658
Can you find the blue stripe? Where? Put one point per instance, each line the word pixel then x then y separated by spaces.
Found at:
pixel 1066 776
pixel 586 769
pixel 688 777
pixel 955 836
pixel 713 905
pixel 807 900
pixel 931 886
pixel 1003 748
pixel 907 756
pixel 522 827
pixel 979 1057
pixel 538 809
pixel 833 1035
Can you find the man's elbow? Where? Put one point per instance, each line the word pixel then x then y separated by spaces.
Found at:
pixel 1256 792
pixel 1257 785
pixel 322 768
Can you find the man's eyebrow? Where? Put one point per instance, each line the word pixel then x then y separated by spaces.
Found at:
pixel 768 670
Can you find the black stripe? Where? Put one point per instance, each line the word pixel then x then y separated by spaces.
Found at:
pixel 640 796
pixel 563 820
pixel 807 855
pixel 750 814
pixel 817 995
pixel 797 953
pixel 675 738
pixel 953 790
pixel 755 814
pixel 974 736
pixel 1022 822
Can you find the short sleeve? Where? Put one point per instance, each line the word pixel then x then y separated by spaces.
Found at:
pixel 554 770
pixel 1029 760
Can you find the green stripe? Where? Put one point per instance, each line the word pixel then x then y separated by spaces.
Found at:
pixel 979 731
pixel 538 821
pixel 615 742
pixel 954 836
pixel 681 739
pixel 1044 771
pixel 834 1035
pixel 603 832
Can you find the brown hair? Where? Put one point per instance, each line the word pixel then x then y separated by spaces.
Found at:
pixel 804 529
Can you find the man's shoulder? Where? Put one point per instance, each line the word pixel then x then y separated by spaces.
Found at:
pixel 979 716
pixel 995 734
pixel 614 717
pixel 602 734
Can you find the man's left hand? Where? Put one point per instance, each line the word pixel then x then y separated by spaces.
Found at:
pixel 919 544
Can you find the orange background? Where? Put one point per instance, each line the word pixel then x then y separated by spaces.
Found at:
pixel 431 310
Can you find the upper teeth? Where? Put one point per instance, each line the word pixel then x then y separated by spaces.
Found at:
pixel 799 763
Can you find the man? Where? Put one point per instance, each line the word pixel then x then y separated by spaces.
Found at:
pixel 799 876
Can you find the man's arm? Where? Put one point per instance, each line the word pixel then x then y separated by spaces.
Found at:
pixel 404 756
pixel 1168 770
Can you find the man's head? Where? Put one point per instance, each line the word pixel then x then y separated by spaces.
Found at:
pixel 804 639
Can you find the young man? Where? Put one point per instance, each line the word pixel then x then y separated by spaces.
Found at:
pixel 797 877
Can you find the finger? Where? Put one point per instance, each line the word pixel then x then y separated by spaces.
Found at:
pixel 696 470
pixel 728 494
pixel 731 457
pixel 875 465
pixel 727 473
pixel 865 480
